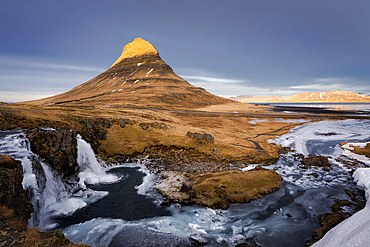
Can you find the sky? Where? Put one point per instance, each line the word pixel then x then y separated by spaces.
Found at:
pixel 230 48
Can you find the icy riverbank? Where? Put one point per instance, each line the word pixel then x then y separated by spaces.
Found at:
pixel 354 231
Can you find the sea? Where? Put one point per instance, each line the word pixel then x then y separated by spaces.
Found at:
pixel 351 107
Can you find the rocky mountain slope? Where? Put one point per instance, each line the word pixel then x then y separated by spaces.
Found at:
pixel 138 78
pixel 313 97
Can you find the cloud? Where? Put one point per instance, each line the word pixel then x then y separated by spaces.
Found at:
pixel 316 87
pixel 212 80
pixel 333 83
pixel 22 79
pixel 23 63
pixel 228 87
pixel 11 97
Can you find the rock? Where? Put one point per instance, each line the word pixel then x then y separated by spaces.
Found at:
pixel 222 201
pixel 319 161
pixel 192 193
pixel 259 167
pixel 185 197
pixel 58 148
pixel 144 126
pixel 12 193
pixel 166 202
pixel 162 126
pixel 171 185
pixel 327 221
pixel 40 175
pixel 94 122
pixel 201 136
pixel 123 122
pixel 209 138
pixel 185 187
pixel 200 239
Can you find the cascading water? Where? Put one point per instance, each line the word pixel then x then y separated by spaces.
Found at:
pixel 43 191
pixel 91 171
pixel 49 195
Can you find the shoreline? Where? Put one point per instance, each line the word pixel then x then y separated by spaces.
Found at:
pixel 318 110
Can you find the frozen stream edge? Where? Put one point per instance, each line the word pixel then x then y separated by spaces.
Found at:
pixel 354 231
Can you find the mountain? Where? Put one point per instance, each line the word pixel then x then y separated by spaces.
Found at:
pixel 138 78
pixel 313 97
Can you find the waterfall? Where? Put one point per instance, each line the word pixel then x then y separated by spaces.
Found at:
pixel 44 188
pixel 49 195
pixel 91 171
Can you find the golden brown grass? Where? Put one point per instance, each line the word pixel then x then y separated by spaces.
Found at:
pixel 239 186
pixel 8 215
pixel 232 132
pixel 362 151
pixel 32 237
pixel 235 137
pixel 35 238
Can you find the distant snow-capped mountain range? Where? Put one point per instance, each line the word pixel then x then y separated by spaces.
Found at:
pixel 313 97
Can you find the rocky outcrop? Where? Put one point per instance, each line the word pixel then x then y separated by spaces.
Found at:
pixel 201 136
pixel 155 125
pixel 12 193
pixel 57 147
pixel 123 122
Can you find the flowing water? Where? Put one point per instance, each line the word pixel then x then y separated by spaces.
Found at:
pixel 118 206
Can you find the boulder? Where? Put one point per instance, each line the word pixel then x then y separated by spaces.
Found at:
pixel 201 136
pixel 123 122
pixel 144 126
